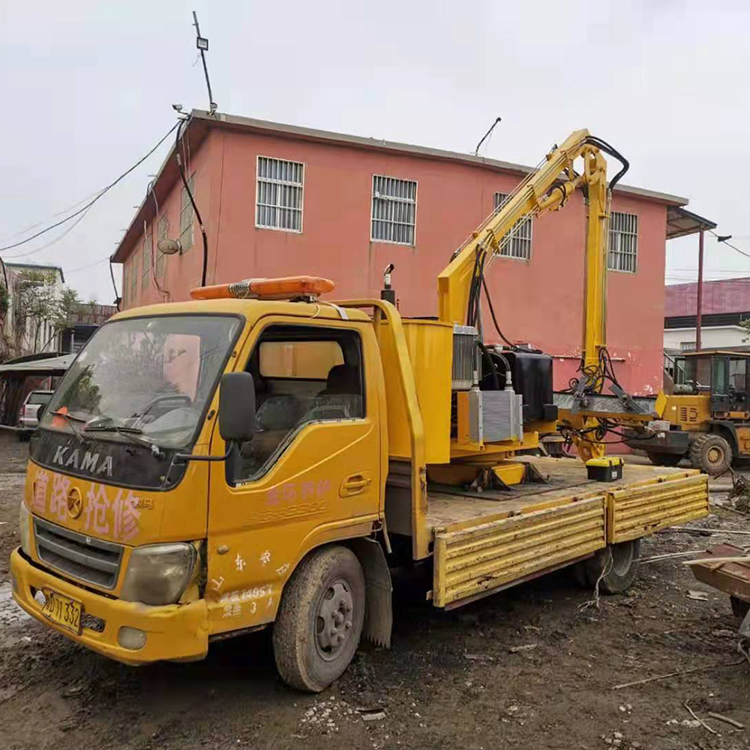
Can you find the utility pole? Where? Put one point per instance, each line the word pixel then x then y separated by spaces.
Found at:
pixel 699 294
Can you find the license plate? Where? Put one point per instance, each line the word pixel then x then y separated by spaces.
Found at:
pixel 62 610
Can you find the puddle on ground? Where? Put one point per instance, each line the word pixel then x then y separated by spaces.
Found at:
pixel 13 620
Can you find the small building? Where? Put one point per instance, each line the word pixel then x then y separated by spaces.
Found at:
pixel 280 200
pixel 27 323
pixel 85 319
pixel 726 304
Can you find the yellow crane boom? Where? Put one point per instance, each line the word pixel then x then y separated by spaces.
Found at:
pixel 546 189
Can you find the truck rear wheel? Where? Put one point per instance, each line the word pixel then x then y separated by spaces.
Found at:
pixel 619 565
pixel 319 623
pixel 710 453
pixel 740 607
pixel 665 459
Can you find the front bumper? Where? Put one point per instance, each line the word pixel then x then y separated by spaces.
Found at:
pixel 174 631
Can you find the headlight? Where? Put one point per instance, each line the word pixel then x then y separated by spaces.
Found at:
pixel 24 528
pixel 158 573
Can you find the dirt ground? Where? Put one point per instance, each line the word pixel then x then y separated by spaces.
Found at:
pixel 451 680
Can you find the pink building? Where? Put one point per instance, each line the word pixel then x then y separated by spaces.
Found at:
pixel 279 200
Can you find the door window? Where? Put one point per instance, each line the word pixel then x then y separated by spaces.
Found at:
pixel 303 375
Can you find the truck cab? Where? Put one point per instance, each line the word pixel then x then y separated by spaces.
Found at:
pixel 122 510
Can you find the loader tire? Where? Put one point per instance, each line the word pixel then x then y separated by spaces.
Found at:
pixel 665 459
pixel 619 563
pixel 320 619
pixel 711 454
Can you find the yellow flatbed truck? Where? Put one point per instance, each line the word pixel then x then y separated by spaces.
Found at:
pixel 259 456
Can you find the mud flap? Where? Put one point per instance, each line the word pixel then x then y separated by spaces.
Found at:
pixel 745 627
pixel 379 606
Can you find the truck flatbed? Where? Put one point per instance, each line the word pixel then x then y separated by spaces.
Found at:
pixel 484 542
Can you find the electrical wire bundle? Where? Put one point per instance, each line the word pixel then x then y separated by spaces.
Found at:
pixel 596 376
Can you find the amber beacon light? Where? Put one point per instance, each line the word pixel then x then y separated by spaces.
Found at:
pixel 288 287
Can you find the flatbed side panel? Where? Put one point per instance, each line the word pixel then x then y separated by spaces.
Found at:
pixel 635 512
pixel 474 560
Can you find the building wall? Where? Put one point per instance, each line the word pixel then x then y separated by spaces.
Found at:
pixel 713 337
pixel 537 301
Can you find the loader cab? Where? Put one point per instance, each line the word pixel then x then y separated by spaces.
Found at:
pixel 721 375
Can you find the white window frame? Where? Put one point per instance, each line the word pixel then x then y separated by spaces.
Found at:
pixel 186 205
pixel 286 183
pixel 615 255
pixel 375 177
pixel 500 199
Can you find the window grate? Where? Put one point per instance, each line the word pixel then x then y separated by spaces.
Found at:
pixel 187 216
pixel 162 233
pixel 134 277
pixel 623 242
pixel 394 210
pixel 517 242
pixel 279 194
pixel 148 246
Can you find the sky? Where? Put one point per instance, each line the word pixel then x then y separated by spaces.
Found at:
pixel 87 89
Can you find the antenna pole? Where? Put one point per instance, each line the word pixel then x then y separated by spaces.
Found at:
pixel 485 136
pixel 202 44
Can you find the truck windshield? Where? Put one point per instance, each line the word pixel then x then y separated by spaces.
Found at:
pixel 144 376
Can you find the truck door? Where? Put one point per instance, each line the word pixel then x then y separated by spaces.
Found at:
pixel 311 473
pixel 720 398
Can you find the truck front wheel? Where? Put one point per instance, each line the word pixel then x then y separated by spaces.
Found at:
pixel 319 623
pixel 710 453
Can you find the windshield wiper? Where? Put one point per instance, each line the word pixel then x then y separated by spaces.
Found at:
pixel 131 433
pixel 71 420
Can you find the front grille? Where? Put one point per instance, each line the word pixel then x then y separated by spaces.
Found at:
pixel 90 560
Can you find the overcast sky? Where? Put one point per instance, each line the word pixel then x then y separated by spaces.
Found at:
pixel 87 88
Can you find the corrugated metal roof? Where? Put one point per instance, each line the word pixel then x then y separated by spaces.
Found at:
pixel 40 366
pixel 724 296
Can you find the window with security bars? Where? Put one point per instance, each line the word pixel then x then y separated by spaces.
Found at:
pixel 162 233
pixel 125 284
pixel 134 278
pixel 623 242
pixel 517 243
pixel 187 216
pixel 148 242
pixel 394 210
pixel 279 194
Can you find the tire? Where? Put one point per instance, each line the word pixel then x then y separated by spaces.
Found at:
pixel 319 624
pixel 740 607
pixel 580 575
pixel 620 561
pixel 665 459
pixel 711 454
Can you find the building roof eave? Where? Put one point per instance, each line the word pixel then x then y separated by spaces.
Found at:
pixel 202 121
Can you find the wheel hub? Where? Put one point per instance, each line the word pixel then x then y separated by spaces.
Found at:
pixel 715 455
pixel 334 620
pixel 622 558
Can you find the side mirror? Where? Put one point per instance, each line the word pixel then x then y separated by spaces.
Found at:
pixel 237 406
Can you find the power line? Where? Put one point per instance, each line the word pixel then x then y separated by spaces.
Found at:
pixel 726 242
pixel 98 196
pixel 89 265
pixel 52 242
